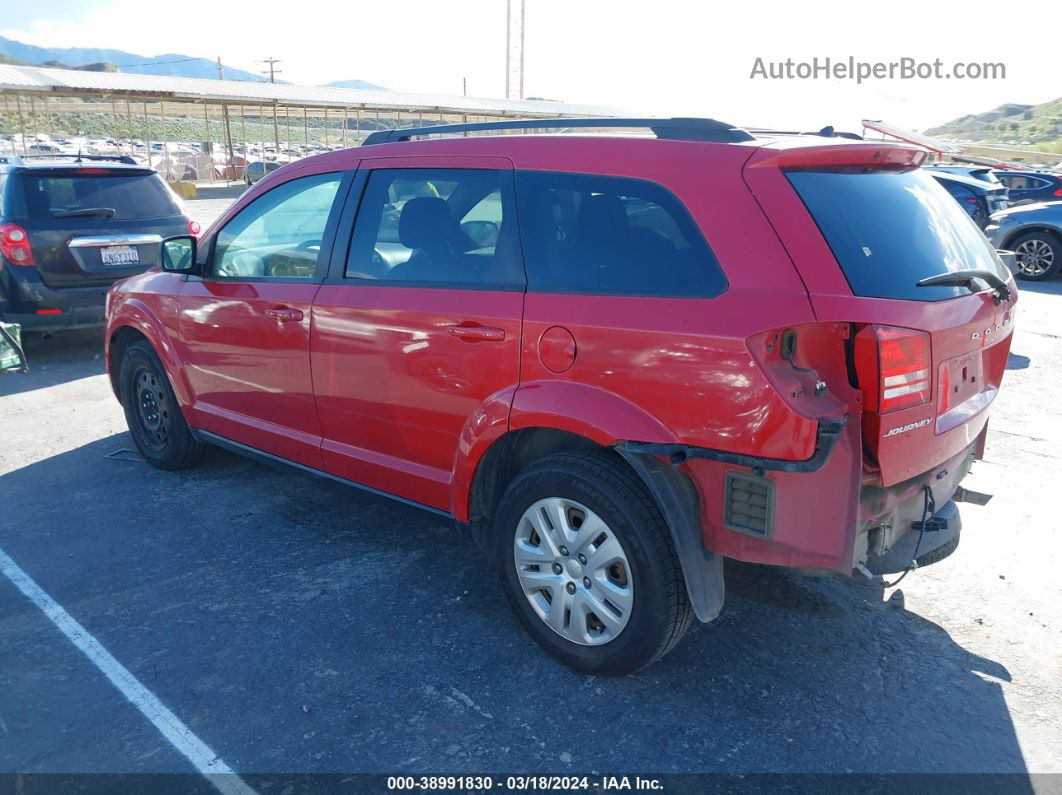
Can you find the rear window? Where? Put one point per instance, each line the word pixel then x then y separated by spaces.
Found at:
pixel 131 196
pixel 888 230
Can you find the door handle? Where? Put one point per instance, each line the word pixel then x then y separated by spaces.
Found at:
pixel 476 333
pixel 284 313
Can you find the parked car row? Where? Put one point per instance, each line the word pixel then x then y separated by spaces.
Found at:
pixel 1019 211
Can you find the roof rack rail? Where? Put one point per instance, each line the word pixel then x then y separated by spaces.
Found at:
pixel 670 129
pixel 78 157
pixel 826 132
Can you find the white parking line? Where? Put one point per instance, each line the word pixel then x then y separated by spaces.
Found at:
pixel 169 725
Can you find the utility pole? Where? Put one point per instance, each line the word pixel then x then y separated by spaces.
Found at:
pixel 273 72
pixel 514 49
pixel 231 163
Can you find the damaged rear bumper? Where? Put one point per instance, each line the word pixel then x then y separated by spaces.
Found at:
pixel 947 526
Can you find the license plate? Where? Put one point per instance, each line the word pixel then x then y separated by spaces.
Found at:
pixel 120 255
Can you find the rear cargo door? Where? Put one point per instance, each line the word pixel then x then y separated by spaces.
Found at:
pixel 929 360
pixel 91 225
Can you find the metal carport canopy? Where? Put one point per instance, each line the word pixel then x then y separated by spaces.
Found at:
pixel 107 85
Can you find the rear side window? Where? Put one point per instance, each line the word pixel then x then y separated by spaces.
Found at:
pixel 889 230
pixel 437 227
pixel 130 196
pixel 585 233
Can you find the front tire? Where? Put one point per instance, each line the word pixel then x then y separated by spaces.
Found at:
pixel 589 565
pixel 1039 256
pixel 152 413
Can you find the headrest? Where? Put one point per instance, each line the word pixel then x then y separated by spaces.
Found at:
pixel 602 216
pixel 425 222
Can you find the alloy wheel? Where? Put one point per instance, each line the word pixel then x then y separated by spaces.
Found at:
pixel 1035 257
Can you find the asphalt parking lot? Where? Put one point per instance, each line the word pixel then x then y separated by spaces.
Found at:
pixel 297 626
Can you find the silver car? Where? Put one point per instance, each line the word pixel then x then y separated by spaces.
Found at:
pixel 1034 233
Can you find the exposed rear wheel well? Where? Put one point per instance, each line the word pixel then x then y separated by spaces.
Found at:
pixel 506 458
pixel 120 341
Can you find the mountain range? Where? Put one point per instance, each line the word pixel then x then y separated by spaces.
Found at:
pixel 1009 123
pixel 106 60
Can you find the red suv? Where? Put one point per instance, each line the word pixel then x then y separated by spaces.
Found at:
pixel 614 360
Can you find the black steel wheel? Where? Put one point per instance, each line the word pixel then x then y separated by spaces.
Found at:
pixel 152 413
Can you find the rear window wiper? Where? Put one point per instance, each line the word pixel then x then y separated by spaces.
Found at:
pixel 98 212
pixel 967 278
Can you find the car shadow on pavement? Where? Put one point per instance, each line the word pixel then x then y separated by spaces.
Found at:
pixel 303 626
pixel 56 359
pixel 1015 361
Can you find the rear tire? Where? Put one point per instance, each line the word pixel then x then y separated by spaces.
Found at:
pixel 152 412
pixel 1039 256
pixel 598 583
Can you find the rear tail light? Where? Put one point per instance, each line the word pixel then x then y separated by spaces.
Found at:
pixel 1058 192
pixel 894 366
pixel 15 245
pixel 194 228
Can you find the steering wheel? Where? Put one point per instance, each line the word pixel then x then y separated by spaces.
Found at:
pixel 243 263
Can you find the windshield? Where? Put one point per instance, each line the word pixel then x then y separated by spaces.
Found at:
pixel 888 230
pixel 131 196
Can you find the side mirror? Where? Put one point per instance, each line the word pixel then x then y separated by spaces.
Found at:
pixel 178 254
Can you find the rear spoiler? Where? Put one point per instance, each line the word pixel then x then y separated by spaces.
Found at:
pixel 869 156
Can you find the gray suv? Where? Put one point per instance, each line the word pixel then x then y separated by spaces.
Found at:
pixel 1034 233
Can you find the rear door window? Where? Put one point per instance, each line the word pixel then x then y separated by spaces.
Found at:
pixel 889 230
pixel 130 196
pixel 437 227
pixel 584 233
